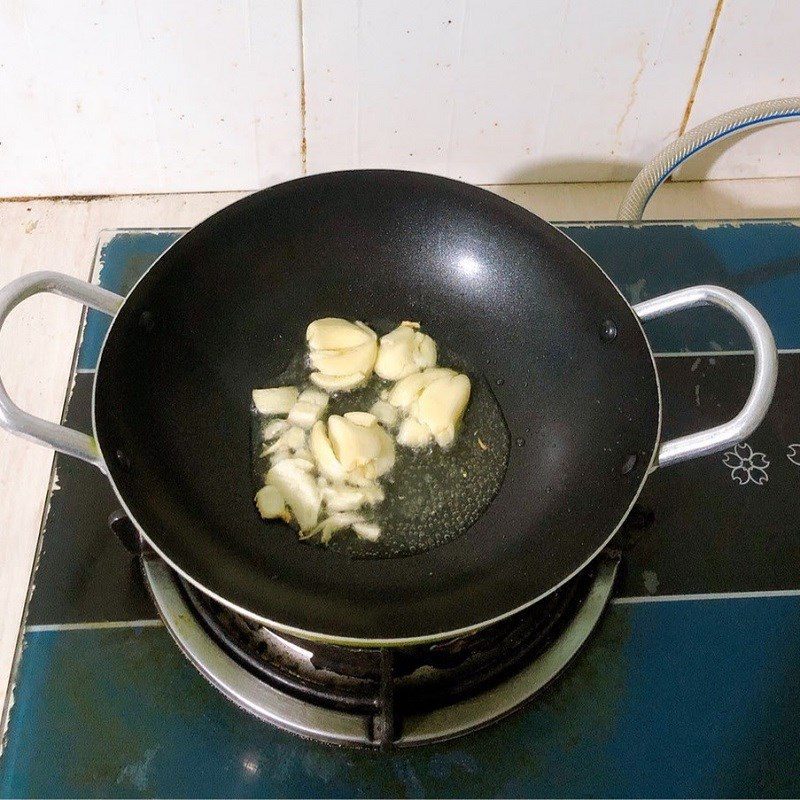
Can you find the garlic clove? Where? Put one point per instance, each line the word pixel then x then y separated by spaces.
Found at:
pixel 298 488
pixel 445 437
pixel 305 414
pixel 394 359
pixel 442 403
pixel 343 498
pixel 361 418
pixel 354 445
pixel 275 401
pixel 367 530
pixel 270 503
pixel 385 460
pixel 363 476
pixel 345 362
pixel 337 522
pixel 333 333
pixel 340 383
pixel 425 351
pixel 327 463
pixel 385 413
pixel 292 439
pixel 273 429
pixel 412 433
pixel 371 333
pixel 373 493
pixel 404 351
pixel 305 464
pixel 407 390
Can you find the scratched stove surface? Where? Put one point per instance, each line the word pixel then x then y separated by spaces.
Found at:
pixel 690 687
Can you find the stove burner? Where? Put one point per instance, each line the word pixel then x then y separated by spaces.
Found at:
pixel 383 697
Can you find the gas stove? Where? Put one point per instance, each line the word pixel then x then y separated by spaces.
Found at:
pixel 383 697
pixel 666 668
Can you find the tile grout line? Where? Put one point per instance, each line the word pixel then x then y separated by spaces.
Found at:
pixel 766 594
pixel 93 626
pixel 698 76
pixel 679 598
pixel 622 182
pixel 303 137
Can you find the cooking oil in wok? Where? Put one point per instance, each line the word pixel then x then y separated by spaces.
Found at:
pixel 432 495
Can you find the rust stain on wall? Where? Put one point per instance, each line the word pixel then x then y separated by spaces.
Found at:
pixel 634 91
pixel 700 67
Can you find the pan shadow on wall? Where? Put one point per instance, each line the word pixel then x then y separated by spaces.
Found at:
pixel 712 195
pixel 577 170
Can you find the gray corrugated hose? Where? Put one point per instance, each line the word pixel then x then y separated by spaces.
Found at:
pixel 672 156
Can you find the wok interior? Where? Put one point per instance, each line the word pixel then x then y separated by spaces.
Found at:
pixel 227 306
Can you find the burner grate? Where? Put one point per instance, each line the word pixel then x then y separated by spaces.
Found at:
pixel 386 685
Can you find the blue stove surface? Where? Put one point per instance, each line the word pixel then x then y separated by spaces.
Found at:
pixel 689 687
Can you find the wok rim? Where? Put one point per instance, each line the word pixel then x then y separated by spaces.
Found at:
pixel 377 642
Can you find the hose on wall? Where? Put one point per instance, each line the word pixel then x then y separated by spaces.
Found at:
pixel 661 166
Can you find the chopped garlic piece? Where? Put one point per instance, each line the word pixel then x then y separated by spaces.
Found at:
pixel 385 460
pixel 412 433
pixel 292 439
pixel 343 498
pixel 362 476
pixel 337 383
pixel 332 333
pixel 327 463
pixel 367 530
pixel 299 490
pixel 275 401
pixel 445 437
pixel 385 413
pixel 336 522
pixel 305 414
pixel 270 503
pixel 407 391
pixel 404 351
pixel 305 464
pixel 354 445
pixel 373 493
pixel 273 429
pixel 339 521
pixel 314 397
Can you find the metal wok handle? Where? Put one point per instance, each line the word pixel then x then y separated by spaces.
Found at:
pixel 766 370
pixel 12 417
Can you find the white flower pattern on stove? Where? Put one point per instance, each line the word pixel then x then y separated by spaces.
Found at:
pixel 746 466
pixel 794 454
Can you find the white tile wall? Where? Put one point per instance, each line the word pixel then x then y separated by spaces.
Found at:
pixel 509 91
pixel 121 96
pixel 142 95
pixel 754 55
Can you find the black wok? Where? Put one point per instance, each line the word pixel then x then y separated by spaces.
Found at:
pixel 224 308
